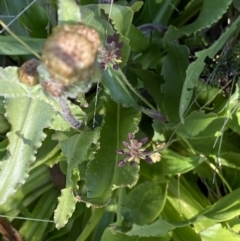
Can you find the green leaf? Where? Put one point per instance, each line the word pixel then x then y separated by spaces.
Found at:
pixel 71 147
pixel 150 59
pixel 138 40
pixel 115 86
pixel 10 85
pixel 65 208
pixel 159 228
pixel 201 125
pixel 11 46
pixel 28 118
pixel 152 82
pixel 144 202
pixel 110 235
pixel 224 209
pixel 195 68
pixel 137 6
pixel 92 16
pixel 187 200
pixel 103 172
pixel 211 12
pixel 38 182
pixel 172 163
pixel 121 17
pixel 32 230
pixel 68 12
pixel 219 233
pixel 40 26
pixel 174 72
pixel 181 233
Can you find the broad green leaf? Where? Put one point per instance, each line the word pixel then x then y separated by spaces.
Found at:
pixel 174 73
pixel 144 202
pixel 68 12
pixel 11 46
pixel 11 87
pixel 50 148
pixel 201 125
pixel 159 228
pixel 234 122
pixel 28 117
pixel 65 208
pixel 211 12
pixel 76 149
pixel 138 40
pixel 92 16
pixel 110 235
pixel 224 209
pixel 69 229
pixel 218 233
pixel 136 6
pixel 121 17
pixel 42 210
pixel 173 163
pixel 187 200
pixel 230 159
pixel 152 82
pixel 191 9
pixel 117 89
pixel 96 215
pixel 103 171
pixel 150 58
pixel 195 68
pixel 210 96
pixel 40 26
pixel 38 182
pixel 180 233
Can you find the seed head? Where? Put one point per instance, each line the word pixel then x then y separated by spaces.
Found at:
pixel 70 53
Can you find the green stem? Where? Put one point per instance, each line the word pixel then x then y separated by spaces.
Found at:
pixel 22 42
pixel 134 91
pixel 92 222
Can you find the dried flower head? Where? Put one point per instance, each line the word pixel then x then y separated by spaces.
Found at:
pixel 70 53
pixel 111 54
pixel 134 151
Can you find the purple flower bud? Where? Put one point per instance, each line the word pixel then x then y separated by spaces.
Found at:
pixel 102 65
pixel 148 160
pixel 115 66
pixel 144 140
pixel 118 53
pixel 120 151
pixel 109 39
pixel 115 37
pixel 121 163
pixel 126 144
pixel 120 45
pixel 130 136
